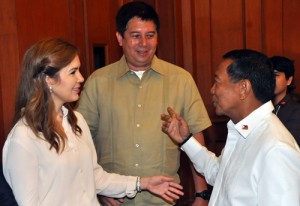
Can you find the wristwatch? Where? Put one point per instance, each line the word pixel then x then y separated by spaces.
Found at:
pixel 205 194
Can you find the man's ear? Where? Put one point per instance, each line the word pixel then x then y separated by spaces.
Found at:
pixel 245 88
pixel 289 81
pixel 119 38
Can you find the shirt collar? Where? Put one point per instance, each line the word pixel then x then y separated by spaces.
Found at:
pixel 157 66
pixel 246 125
pixel 285 100
pixel 65 111
pixel 123 66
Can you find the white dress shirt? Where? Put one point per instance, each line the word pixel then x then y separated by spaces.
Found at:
pixel 259 165
pixel 39 176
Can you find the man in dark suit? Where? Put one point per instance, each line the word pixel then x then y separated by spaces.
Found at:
pixel 286 107
pixel 6 195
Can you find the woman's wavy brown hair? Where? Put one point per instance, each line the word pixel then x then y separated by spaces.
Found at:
pixel 33 101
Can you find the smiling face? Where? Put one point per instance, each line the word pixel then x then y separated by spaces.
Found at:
pixel 139 43
pixel 225 94
pixel 66 87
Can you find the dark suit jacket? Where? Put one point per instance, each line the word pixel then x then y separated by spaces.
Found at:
pixel 288 111
pixel 6 195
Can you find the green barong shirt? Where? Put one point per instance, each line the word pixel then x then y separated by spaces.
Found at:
pixel 123 113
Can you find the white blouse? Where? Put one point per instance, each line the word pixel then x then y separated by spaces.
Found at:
pixel 39 176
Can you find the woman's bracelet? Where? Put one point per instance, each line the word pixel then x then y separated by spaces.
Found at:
pixel 138 184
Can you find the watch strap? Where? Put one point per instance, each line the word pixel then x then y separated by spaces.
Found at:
pixel 205 194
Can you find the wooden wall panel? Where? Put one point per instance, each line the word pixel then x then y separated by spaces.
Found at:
pixel 202 46
pixel 226 27
pixel 42 19
pixel 186 31
pixel 253 25
pixel 97 28
pixel 114 50
pixel 78 32
pixel 282 31
pixel 2 136
pixel 166 39
pixel 101 29
pixel 47 18
pixel 9 62
pixel 179 31
pixel 217 28
pixel 273 27
pixel 291 35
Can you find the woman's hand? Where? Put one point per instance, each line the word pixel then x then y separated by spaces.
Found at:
pixel 163 187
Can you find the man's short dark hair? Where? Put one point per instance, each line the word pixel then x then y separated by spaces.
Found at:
pixel 255 67
pixel 135 9
pixel 285 65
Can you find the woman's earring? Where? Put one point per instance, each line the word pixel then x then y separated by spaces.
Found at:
pixel 50 90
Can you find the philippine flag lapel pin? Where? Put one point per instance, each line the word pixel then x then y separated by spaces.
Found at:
pixel 245 127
